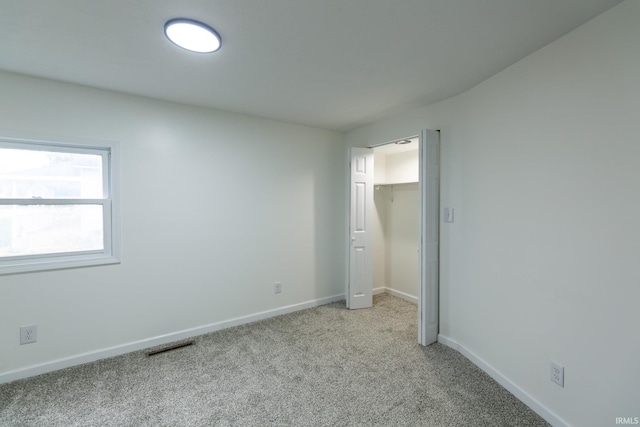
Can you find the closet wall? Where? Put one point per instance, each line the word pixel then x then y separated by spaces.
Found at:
pixel 396 267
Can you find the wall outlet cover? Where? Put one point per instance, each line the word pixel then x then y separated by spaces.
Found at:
pixel 557 373
pixel 28 334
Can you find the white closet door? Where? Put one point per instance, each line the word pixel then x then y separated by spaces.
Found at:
pixel 360 292
pixel 429 228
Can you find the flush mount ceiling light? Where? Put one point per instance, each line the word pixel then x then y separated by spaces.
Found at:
pixel 192 35
pixel 403 141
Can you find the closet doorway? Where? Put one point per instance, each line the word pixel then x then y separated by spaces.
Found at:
pixel 387 252
pixel 396 221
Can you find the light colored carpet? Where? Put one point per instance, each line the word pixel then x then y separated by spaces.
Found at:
pixel 326 366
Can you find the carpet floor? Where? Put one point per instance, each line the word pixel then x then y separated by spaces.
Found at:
pixel 325 366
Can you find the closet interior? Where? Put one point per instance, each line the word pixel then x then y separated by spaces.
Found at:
pixel 396 219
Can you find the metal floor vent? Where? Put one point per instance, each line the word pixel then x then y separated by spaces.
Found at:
pixel 170 348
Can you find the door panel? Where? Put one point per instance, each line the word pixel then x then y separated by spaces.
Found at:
pixel 360 287
pixel 429 235
pixel 360 206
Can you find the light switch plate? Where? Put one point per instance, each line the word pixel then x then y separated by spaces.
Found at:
pixel 448 215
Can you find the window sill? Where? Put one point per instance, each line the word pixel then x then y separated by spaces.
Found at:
pixel 63 262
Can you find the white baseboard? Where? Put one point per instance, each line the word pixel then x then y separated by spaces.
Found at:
pixel 402 295
pixel 551 417
pixel 92 356
pixel 390 291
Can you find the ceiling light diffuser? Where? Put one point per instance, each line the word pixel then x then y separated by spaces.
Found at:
pixel 192 35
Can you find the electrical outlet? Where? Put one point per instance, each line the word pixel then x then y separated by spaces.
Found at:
pixel 277 287
pixel 557 373
pixel 28 334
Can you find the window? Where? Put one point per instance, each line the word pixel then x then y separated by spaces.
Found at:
pixel 57 205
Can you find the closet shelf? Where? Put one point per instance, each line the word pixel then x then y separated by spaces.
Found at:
pixel 395 183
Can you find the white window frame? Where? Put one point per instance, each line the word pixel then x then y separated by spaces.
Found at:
pixel 109 151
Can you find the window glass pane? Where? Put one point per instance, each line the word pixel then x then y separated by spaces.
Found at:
pixel 28 174
pixel 50 229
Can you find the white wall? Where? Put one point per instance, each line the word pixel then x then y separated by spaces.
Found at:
pixel 401 241
pixel 395 167
pixel 216 207
pixel 403 167
pixel 380 167
pixel 381 202
pixel 541 165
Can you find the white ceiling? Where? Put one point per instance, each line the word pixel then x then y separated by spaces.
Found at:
pixel 335 64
